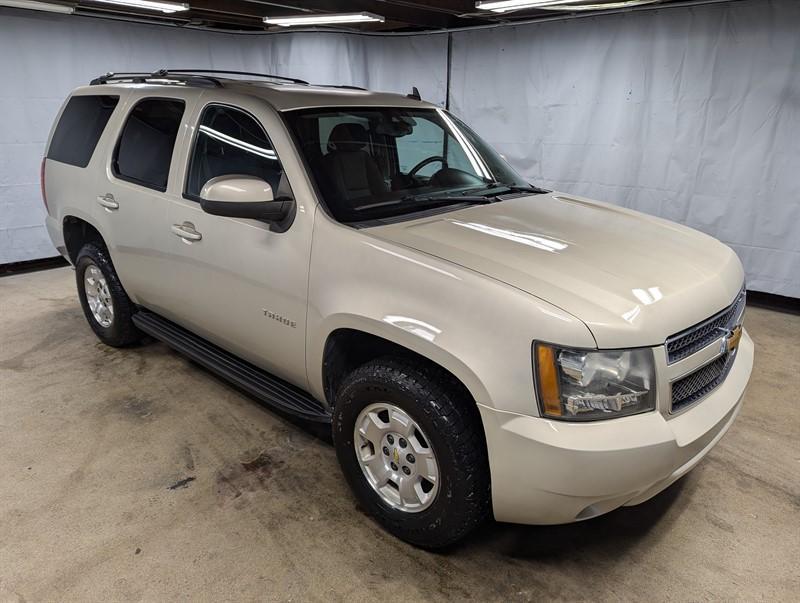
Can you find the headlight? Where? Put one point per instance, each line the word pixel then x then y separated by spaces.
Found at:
pixel 586 385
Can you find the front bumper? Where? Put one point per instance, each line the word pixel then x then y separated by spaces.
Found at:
pixel 548 472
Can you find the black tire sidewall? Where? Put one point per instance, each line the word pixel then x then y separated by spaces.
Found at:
pixel 443 522
pixel 120 330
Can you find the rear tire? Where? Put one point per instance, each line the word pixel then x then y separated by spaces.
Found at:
pixel 449 441
pixel 107 307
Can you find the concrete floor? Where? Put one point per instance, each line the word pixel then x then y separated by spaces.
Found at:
pixel 135 475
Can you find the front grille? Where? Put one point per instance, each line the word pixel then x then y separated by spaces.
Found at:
pixel 694 339
pixel 694 386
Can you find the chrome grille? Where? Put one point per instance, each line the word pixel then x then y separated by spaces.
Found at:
pixel 694 339
pixel 694 386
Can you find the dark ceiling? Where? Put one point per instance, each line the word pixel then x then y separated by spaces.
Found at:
pixel 400 15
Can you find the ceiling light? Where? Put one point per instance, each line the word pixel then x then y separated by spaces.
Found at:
pixel 325 19
pixel 502 6
pixel 51 8
pixel 164 7
pixel 604 6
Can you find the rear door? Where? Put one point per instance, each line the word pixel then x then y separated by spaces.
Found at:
pixel 132 193
pixel 244 285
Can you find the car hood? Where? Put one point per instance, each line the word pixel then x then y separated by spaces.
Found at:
pixel 633 279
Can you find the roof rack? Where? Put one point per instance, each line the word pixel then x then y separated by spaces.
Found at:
pixel 343 86
pixel 184 75
pixel 143 78
pixel 293 80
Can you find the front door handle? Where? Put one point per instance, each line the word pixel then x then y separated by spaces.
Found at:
pixel 108 202
pixel 186 231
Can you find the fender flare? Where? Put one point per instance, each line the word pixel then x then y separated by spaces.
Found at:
pixel 424 347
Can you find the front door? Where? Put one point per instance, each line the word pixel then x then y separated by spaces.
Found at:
pixel 244 285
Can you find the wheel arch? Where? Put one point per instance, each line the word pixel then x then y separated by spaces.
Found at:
pixel 77 232
pixel 354 341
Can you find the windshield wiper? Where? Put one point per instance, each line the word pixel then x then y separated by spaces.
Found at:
pixel 508 188
pixel 466 197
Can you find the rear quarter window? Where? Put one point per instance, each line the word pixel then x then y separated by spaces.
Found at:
pixel 80 127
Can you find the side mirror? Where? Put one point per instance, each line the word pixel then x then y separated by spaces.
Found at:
pixel 241 196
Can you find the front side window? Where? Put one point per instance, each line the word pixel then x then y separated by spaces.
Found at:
pixel 144 150
pixel 374 163
pixel 231 142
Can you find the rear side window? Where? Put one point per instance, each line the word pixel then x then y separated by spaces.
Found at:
pixel 230 141
pixel 144 150
pixel 80 127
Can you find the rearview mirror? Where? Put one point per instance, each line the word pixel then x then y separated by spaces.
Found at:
pixel 241 196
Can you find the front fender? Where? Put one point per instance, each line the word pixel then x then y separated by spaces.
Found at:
pixel 476 327
pixel 408 334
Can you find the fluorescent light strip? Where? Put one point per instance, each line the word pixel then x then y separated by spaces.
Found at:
pixel 164 7
pixel 474 159
pixel 240 144
pixel 325 19
pixel 502 6
pixel 606 6
pixel 44 6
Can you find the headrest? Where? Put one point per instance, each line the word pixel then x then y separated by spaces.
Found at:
pixel 347 137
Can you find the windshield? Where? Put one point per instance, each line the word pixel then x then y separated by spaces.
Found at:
pixel 380 162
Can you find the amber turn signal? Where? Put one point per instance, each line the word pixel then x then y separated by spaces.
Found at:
pixel 548 380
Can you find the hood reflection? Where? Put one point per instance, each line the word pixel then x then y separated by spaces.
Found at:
pixel 530 239
pixel 648 296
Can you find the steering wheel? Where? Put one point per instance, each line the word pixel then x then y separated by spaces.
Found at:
pixel 425 162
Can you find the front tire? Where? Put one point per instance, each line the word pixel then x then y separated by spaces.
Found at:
pixel 412 449
pixel 107 307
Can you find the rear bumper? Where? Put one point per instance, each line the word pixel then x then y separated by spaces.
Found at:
pixel 56 236
pixel 547 472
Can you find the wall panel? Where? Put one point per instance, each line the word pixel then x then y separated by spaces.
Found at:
pixel 690 114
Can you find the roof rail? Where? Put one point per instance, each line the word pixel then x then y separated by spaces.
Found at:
pixel 185 76
pixel 343 86
pixel 293 80
pixel 142 78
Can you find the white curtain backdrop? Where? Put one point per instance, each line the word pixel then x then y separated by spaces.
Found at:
pixel 689 114
pixel 692 114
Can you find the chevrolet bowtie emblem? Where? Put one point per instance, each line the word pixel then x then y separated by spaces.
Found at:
pixel 731 341
pixel 396 456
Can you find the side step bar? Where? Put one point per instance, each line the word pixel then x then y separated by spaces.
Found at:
pixel 255 381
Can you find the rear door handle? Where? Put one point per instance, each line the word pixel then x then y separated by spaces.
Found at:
pixel 186 231
pixel 108 202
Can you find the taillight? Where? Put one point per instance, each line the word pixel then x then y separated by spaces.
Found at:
pixel 44 190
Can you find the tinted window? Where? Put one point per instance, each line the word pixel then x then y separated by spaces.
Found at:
pixel 80 127
pixel 427 141
pixel 328 123
pixel 374 163
pixel 144 150
pixel 230 141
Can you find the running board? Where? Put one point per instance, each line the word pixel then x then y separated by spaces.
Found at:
pixel 253 380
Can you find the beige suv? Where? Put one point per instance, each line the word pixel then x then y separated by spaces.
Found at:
pixel 479 345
